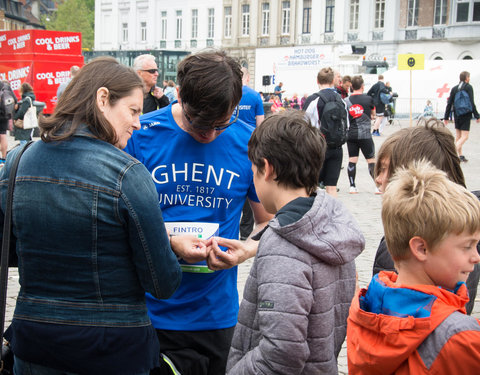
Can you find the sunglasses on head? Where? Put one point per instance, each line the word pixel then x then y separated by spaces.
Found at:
pixel 151 71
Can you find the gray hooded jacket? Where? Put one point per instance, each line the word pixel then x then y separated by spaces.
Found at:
pixel 293 316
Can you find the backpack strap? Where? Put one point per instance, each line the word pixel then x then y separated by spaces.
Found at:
pixel 325 100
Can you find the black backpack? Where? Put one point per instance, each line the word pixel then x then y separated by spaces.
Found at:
pixel 7 102
pixel 462 104
pixel 333 123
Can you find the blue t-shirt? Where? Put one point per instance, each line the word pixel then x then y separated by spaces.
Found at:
pixel 251 105
pixel 202 189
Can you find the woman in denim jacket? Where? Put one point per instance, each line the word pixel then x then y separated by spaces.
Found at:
pixel 89 235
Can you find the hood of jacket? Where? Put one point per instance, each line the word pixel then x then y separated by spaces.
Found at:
pixel 388 322
pixel 327 231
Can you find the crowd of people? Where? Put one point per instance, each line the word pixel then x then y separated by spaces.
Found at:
pixel 134 209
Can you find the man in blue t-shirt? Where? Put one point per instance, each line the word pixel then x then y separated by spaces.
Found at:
pixel 251 104
pixel 279 91
pixel 196 152
pixel 252 113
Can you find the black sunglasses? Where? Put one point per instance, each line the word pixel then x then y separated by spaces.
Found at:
pixel 207 128
pixel 151 71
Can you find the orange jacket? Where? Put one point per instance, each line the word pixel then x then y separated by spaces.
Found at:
pixel 394 341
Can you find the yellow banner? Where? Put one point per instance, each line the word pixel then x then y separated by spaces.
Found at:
pixel 411 61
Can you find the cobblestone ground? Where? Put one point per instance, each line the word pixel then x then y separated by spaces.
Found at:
pixel 365 207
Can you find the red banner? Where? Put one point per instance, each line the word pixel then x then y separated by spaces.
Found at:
pixel 40 41
pixel 41 58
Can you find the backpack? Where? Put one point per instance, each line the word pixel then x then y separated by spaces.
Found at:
pixel 385 98
pixel 7 103
pixel 462 103
pixel 334 122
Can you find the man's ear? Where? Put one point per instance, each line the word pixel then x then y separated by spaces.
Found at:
pixel 418 248
pixel 268 170
pixel 178 94
pixel 102 98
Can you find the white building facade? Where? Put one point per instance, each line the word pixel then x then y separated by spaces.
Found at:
pixel 341 31
pixel 157 24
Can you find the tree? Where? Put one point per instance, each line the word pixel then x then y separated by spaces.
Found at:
pixel 74 15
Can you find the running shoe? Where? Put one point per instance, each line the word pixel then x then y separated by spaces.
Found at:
pixel 376 133
pixel 353 190
pixel 377 191
pixel 463 159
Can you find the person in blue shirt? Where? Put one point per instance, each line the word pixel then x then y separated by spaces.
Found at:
pixel 196 152
pixel 278 90
pixel 250 111
pixel 251 104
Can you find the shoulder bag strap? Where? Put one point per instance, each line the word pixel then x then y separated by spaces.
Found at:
pixel 7 232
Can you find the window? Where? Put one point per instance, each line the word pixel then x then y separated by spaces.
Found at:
pixel 467 7
pixel 285 17
pixel 329 15
pixel 245 19
pixel 379 14
pixel 194 23
pixel 125 32
pixel 354 9
pixel 164 25
pixel 143 31
pixel 307 16
pixel 211 23
pixel 228 22
pixel 476 11
pixel 462 11
pixel 440 12
pixel 265 18
pixel 179 24
pixel 412 15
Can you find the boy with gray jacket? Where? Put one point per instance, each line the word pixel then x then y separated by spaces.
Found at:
pixel 293 316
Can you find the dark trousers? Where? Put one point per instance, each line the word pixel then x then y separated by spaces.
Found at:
pixel 247 221
pixel 195 352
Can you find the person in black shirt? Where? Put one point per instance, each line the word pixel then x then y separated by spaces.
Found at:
pixel 147 69
pixel 462 122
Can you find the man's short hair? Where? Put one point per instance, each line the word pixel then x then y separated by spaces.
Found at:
pixel 139 61
pixel 294 148
pixel 325 76
pixel 74 70
pixel 346 79
pixel 357 82
pixel 421 201
pixel 380 77
pixel 210 86
pixel 464 75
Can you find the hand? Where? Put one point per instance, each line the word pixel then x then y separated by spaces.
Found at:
pixel 445 121
pixel 478 120
pixel 190 248
pixel 157 92
pixel 237 252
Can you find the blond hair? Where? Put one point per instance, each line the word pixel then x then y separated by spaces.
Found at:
pixel 422 201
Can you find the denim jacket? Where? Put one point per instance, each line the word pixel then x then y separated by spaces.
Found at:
pixel 89 234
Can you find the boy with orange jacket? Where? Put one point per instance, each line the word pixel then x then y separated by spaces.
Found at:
pixel 414 322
